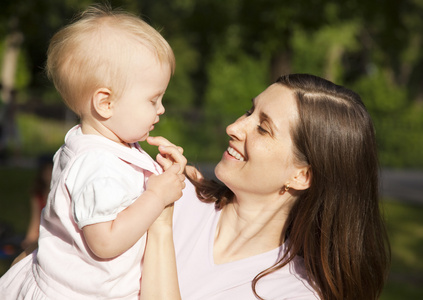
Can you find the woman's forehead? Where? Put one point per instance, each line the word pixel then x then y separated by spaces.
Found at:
pixel 277 102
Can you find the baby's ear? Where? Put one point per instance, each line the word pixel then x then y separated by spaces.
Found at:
pixel 102 104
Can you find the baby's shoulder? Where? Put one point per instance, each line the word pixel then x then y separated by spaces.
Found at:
pixel 98 163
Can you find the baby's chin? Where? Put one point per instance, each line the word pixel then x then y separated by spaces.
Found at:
pixel 136 140
pixel 143 138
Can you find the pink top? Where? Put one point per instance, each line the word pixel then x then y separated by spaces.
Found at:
pixel 200 278
pixel 93 180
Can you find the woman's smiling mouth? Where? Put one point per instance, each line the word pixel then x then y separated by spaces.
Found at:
pixel 235 153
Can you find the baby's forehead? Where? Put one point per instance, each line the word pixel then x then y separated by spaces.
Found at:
pixel 108 36
pixel 116 36
pixel 106 33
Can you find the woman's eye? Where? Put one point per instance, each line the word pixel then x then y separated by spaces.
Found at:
pixel 248 112
pixel 261 129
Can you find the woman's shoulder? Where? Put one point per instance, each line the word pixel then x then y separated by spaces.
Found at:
pixel 190 216
pixel 289 282
pixel 189 202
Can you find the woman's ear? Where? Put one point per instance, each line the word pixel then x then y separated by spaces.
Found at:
pixel 102 102
pixel 302 179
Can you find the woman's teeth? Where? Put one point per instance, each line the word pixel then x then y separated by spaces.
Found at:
pixel 235 154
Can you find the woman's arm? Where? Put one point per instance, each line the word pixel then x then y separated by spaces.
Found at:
pixel 159 274
pixel 25 253
pixel 34 223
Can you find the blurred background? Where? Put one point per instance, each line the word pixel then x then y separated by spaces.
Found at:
pixel 227 52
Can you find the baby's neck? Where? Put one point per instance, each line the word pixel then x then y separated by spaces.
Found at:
pixel 101 131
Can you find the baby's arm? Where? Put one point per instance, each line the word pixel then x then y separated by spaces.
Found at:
pixel 109 239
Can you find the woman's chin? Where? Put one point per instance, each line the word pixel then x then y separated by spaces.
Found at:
pixel 219 171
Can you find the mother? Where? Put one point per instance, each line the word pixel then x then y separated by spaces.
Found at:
pixel 298 214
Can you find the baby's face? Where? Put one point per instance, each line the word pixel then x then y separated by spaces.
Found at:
pixel 140 105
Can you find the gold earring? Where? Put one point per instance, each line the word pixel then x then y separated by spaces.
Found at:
pixel 286 187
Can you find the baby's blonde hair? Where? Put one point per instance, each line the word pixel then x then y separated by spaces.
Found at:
pixel 96 51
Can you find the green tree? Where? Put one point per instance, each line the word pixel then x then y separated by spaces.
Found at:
pixel 374 46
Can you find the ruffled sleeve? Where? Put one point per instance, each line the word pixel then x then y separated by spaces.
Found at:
pixel 100 186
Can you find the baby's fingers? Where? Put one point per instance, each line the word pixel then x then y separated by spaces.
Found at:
pixel 182 179
pixel 173 154
pixel 175 169
pixel 161 141
pixel 164 162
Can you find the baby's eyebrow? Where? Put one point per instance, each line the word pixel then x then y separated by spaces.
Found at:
pixel 158 94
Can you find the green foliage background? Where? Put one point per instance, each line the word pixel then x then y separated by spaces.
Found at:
pixel 229 51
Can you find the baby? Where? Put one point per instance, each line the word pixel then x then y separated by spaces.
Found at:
pixel 112 69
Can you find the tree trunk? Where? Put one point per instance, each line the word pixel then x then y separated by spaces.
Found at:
pixel 280 65
pixel 9 135
pixel 10 62
pixel 333 61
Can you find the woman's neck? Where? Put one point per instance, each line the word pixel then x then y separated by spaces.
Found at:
pixel 250 228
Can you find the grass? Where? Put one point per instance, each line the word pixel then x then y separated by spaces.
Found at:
pixel 404 222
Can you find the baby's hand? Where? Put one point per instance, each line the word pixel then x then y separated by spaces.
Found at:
pixel 167 186
pixel 169 153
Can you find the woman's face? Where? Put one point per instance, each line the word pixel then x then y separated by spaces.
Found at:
pixel 259 159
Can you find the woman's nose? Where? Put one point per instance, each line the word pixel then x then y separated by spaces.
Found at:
pixel 238 129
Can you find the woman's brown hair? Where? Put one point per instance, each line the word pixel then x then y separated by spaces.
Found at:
pixel 336 224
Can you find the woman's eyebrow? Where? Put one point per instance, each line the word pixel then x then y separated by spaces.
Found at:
pixel 265 118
